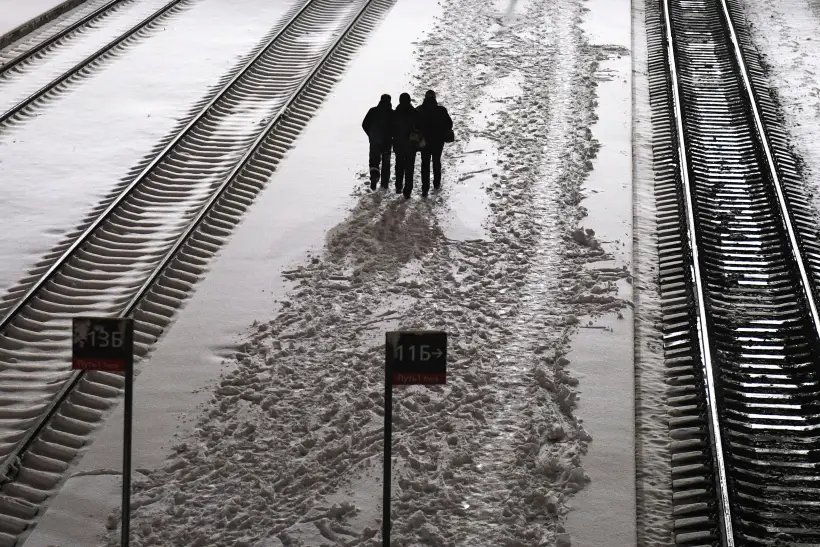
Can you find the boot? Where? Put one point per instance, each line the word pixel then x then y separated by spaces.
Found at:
pixel 374 177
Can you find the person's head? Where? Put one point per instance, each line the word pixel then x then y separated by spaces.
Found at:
pixel 430 95
pixel 385 99
pixel 404 98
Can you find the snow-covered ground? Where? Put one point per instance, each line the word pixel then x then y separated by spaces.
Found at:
pixel 653 474
pixel 87 142
pixel 21 83
pixel 787 34
pixel 602 349
pixel 14 13
pixel 306 198
pixel 258 418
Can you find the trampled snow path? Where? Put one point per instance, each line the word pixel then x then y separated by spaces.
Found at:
pixel 490 459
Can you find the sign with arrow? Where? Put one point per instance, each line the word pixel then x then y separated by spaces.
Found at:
pixel 417 357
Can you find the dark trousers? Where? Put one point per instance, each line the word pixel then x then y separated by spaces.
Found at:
pixel 432 151
pixel 380 154
pixel 405 165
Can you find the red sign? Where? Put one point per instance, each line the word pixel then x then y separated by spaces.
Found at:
pixel 91 363
pixel 419 378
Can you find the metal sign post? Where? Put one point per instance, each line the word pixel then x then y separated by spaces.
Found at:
pixel 103 343
pixel 126 454
pixel 388 450
pixel 411 358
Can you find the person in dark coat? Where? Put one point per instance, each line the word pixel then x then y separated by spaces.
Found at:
pixel 378 124
pixel 405 133
pixel 435 125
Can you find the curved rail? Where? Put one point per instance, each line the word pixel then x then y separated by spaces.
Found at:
pixel 56 37
pixel 259 153
pixel 43 91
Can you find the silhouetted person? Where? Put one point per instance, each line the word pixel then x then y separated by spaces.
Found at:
pixel 406 139
pixel 437 128
pixel 378 124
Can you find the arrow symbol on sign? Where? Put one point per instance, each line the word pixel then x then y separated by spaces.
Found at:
pixel 438 353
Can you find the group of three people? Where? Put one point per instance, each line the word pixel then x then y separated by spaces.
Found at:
pixel 407 130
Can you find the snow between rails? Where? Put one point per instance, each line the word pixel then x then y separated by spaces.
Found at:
pixel 493 457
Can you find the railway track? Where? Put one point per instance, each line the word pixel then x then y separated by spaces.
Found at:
pixel 151 244
pixel 739 263
pixel 25 93
pixel 82 19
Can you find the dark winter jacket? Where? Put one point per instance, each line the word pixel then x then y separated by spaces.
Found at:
pixel 405 121
pixel 378 123
pixel 435 121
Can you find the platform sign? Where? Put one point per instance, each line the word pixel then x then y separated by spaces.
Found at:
pixel 107 343
pixel 410 358
pixel 102 343
pixel 417 357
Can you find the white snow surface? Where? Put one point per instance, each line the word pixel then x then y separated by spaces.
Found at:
pixel 601 355
pixel 19 83
pixel 653 474
pixel 308 195
pixel 288 448
pixel 787 34
pixel 87 142
pixel 285 449
pixel 14 13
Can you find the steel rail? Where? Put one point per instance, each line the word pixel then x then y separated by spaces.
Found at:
pixel 58 36
pixel 763 138
pixel 104 215
pixel 705 343
pixel 19 107
pixel 33 433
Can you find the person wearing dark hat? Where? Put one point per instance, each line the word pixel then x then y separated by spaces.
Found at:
pixel 378 124
pixel 406 142
pixel 437 128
